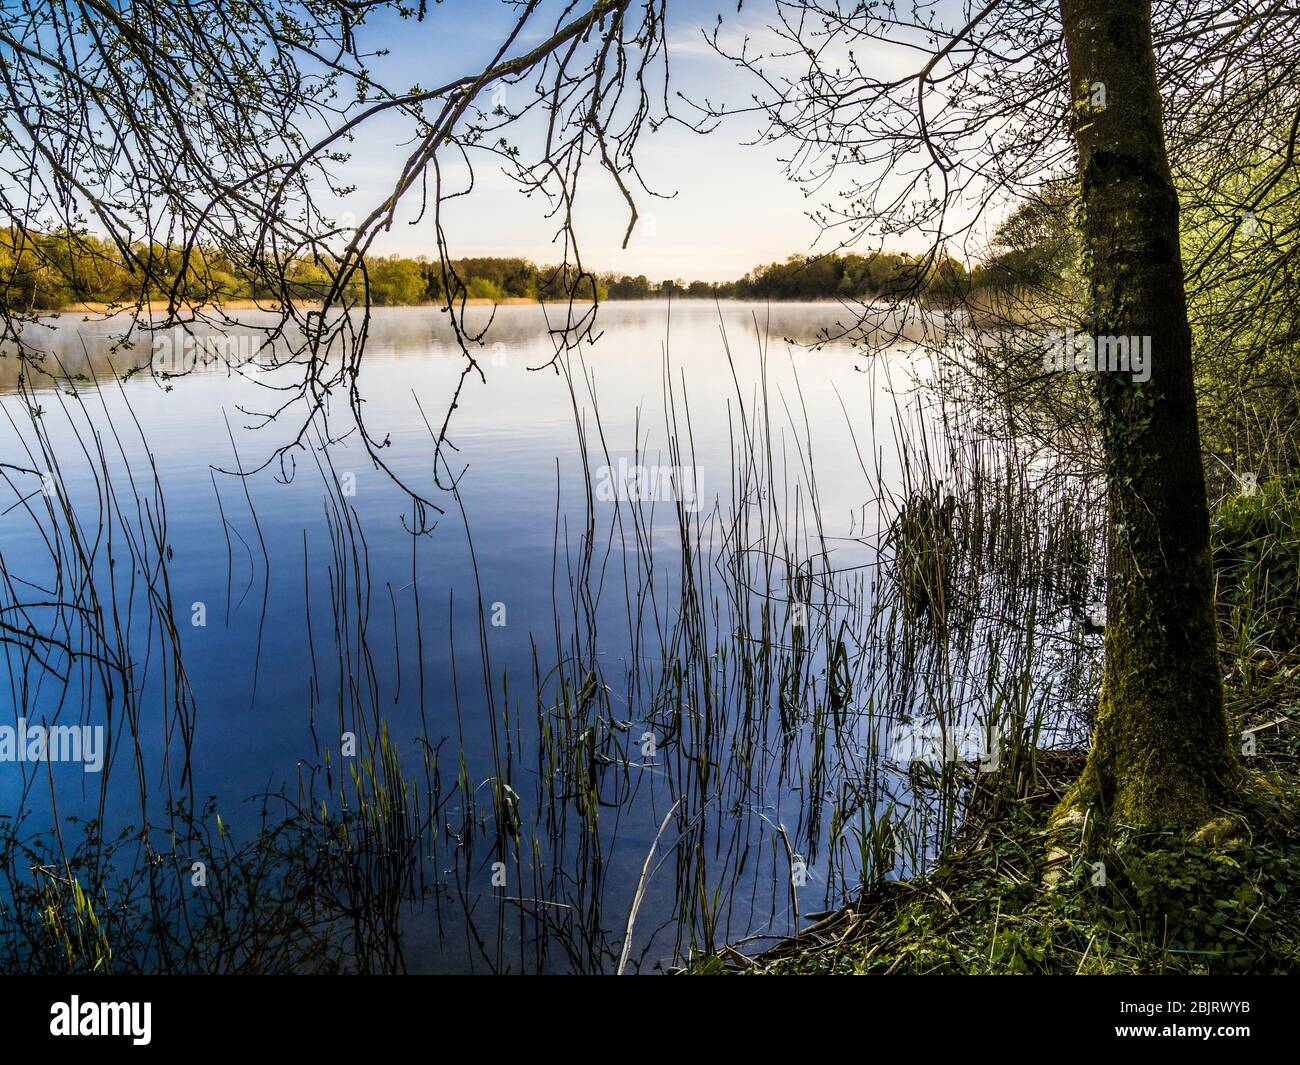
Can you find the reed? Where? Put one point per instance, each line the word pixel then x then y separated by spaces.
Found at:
pixel 787 713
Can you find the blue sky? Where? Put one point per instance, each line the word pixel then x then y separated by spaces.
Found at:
pixel 731 207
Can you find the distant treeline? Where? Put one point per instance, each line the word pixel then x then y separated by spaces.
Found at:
pixel 49 271
pixel 801 277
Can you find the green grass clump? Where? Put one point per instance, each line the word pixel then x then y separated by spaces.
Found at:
pixel 1222 901
pixel 1256 541
pixel 922 541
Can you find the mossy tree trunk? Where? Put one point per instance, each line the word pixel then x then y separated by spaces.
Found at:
pixel 1161 752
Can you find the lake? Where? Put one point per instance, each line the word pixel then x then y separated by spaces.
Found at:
pixel 634 655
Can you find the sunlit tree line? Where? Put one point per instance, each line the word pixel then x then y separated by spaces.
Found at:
pixel 60 269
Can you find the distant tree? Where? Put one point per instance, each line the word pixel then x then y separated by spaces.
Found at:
pixel 395 281
pixel 1037 245
pixel 628 288
pixel 484 288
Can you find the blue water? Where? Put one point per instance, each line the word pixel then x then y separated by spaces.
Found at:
pixel 283 664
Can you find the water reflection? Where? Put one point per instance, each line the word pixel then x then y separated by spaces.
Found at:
pixel 454 748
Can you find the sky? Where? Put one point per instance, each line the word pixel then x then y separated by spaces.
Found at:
pixel 729 204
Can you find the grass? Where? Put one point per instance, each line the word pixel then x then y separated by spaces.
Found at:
pixel 1223 899
pixel 1151 905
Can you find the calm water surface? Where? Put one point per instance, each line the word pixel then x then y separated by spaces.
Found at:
pixel 307 609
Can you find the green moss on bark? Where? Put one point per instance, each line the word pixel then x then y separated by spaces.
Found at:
pixel 1161 753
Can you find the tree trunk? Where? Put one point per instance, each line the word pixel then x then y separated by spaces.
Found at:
pixel 1160 753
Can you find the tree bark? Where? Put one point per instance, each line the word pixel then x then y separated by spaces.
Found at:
pixel 1161 754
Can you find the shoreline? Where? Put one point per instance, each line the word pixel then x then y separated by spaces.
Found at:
pixel 273 306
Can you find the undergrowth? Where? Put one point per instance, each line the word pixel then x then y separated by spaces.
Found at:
pixel 1224 899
